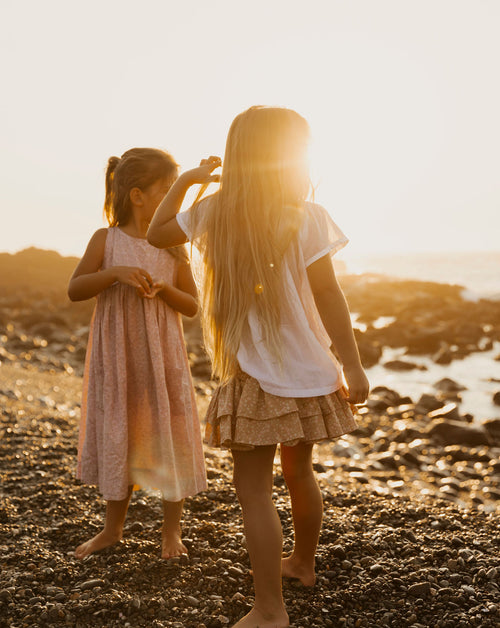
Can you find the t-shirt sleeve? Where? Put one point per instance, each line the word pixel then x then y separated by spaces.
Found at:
pixel 320 236
pixel 192 220
pixel 184 222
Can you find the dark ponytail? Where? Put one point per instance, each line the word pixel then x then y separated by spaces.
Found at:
pixel 109 210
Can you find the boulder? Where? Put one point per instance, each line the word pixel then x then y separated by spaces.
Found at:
pixel 449 432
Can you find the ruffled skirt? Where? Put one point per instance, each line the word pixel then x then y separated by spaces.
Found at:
pixel 242 416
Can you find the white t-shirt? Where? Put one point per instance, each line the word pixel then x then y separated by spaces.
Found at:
pixel 308 368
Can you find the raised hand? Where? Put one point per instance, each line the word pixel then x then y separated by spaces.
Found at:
pixel 203 173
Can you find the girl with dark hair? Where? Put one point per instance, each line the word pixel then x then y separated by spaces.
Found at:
pixel 139 422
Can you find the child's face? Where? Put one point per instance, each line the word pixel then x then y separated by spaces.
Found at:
pixel 153 195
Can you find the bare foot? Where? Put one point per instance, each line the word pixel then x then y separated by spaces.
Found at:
pixel 172 545
pixel 98 542
pixel 255 619
pixel 292 568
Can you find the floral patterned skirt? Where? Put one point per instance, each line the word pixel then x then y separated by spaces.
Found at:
pixel 242 416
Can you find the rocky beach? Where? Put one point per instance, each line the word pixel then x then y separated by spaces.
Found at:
pixel 411 534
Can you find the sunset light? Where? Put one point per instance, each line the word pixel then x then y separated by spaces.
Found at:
pixel 399 97
pixel 261 389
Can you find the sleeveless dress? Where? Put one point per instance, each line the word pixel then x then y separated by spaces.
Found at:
pixel 139 422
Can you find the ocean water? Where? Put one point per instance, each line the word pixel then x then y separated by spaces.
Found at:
pixel 476 373
pixel 477 272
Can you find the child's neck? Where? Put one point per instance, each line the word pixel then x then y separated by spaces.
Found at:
pixel 137 226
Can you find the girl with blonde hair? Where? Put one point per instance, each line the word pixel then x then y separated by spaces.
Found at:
pixel 139 421
pixel 271 309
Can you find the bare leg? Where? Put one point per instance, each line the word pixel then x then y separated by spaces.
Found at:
pixel 116 511
pixel 172 544
pixel 307 511
pixel 253 479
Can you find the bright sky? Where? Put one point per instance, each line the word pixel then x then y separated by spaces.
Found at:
pixel 402 96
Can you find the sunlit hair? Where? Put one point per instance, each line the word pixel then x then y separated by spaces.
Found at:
pixel 136 168
pixel 251 222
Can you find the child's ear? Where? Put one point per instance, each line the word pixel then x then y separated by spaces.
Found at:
pixel 136 196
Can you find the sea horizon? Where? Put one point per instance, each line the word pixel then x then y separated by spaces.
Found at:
pixel 477 271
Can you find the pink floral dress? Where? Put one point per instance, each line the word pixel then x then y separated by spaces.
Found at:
pixel 139 422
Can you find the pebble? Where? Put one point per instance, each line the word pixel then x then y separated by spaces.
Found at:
pixel 419 589
pixel 91 584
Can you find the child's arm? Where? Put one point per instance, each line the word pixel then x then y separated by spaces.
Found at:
pixel 164 231
pixel 183 297
pixel 334 313
pixel 88 280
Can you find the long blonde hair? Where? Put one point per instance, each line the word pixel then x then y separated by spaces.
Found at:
pixel 251 223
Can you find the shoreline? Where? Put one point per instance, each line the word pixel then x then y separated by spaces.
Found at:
pixel 398 557
pixel 411 527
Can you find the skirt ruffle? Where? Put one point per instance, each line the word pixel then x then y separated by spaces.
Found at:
pixel 242 416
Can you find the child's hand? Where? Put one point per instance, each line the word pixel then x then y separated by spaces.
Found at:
pixel 136 277
pixel 155 288
pixel 203 174
pixel 357 384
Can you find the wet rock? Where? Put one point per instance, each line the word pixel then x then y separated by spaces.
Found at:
pixel 443 356
pixel 449 385
pixel 428 403
pixel 454 432
pixel 369 351
pixel 449 411
pixel 492 426
pixel 402 365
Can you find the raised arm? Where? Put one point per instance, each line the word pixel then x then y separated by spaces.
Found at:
pixel 334 313
pixel 164 231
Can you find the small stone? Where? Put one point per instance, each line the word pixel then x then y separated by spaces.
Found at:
pixel 5 596
pixel 238 597
pixel 339 552
pixel 192 601
pixel 91 584
pixel 456 541
pixel 376 569
pixel 419 589
pixel 492 573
